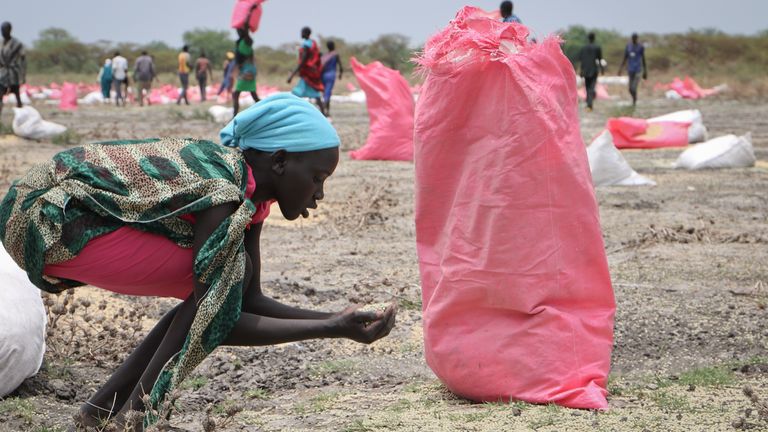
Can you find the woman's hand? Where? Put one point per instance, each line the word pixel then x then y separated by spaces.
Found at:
pixel 363 327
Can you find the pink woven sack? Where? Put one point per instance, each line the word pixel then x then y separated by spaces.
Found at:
pixel 390 111
pixel 517 299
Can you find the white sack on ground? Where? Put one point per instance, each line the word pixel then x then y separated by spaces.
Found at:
pixel 728 151
pixel 27 123
pixel 608 166
pixel 221 114
pixel 697 132
pixel 10 99
pixel 354 97
pixel 91 98
pixel 22 332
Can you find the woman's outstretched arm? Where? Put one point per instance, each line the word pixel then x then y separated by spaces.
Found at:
pixel 254 300
pixel 363 327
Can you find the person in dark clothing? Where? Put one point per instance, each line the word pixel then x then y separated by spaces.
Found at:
pixel 506 10
pixel 591 57
pixel 13 65
pixel 634 58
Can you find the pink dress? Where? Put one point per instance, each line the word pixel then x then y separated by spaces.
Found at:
pixel 133 262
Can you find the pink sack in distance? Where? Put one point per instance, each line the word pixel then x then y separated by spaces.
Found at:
pixel 633 133
pixel 240 13
pixel 390 111
pixel 68 97
pixel 517 298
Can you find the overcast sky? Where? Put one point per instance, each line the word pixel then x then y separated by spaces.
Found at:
pixel 363 20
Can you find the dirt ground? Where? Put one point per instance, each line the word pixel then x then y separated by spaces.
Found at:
pixel 688 260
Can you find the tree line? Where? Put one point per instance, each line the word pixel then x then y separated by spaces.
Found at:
pixel 702 52
pixel 57 51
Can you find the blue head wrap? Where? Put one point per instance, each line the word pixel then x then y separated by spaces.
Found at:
pixel 280 122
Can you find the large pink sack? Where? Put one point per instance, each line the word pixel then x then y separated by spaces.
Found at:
pixel 68 97
pixel 240 13
pixel 390 111
pixel 517 299
pixel 633 133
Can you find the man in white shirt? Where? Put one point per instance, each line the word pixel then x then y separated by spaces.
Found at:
pixel 119 76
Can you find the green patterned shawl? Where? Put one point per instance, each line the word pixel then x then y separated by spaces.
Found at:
pixel 49 215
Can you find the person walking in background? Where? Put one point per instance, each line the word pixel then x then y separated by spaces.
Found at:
pixel 13 65
pixel 202 72
pixel 119 77
pixel 310 82
pixel 591 56
pixel 228 67
pixel 184 68
pixel 634 58
pixel 331 62
pixel 246 67
pixel 143 74
pixel 105 79
pixel 507 15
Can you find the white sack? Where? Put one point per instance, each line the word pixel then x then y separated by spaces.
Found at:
pixel 728 151
pixel 609 167
pixel 27 123
pixel 22 328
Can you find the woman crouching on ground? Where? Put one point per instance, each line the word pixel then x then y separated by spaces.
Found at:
pixel 107 214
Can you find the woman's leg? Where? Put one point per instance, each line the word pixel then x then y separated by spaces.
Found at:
pixel 255 97
pixel 236 101
pixel 111 397
pixel 171 343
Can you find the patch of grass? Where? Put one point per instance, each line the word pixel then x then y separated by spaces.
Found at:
pixel 400 406
pixel 222 408
pixel 621 111
pixel 552 413
pixel 471 417
pixel 317 404
pixel 257 393
pixel 669 402
pixel 330 367
pixel 237 363
pixel 59 369
pixel 414 387
pixel 195 383
pixel 613 386
pixel 69 137
pixel 18 407
pixel 50 429
pixel 5 129
pixel 357 426
pixel 410 347
pixel 177 113
pixel 408 304
pixel 200 114
pixel 193 114
pixel 707 377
